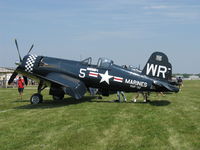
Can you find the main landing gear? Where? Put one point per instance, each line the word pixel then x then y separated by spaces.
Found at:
pixel 56 97
pixel 37 97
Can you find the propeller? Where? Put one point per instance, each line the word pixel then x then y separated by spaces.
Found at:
pixel 13 76
pixel 30 49
pixel 25 80
pixel 18 50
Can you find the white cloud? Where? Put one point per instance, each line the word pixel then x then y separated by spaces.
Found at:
pixel 156 7
pixel 183 15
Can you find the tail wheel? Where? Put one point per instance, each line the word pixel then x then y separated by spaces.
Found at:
pixel 56 97
pixel 36 98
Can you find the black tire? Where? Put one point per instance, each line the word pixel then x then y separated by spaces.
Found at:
pixel 36 98
pixel 56 97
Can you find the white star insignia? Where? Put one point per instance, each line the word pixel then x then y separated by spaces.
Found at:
pixel 105 77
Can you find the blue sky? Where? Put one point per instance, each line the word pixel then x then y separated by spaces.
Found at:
pixel 127 31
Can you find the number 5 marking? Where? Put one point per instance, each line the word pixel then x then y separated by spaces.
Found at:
pixel 82 73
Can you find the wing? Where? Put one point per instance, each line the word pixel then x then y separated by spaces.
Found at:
pixel 70 85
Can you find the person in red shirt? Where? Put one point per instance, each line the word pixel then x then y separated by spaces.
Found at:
pixel 20 84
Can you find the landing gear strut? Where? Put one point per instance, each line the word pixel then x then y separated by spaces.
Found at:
pixel 37 97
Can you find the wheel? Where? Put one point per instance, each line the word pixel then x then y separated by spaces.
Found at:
pixel 36 98
pixel 56 97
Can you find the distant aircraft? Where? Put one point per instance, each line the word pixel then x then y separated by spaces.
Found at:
pixel 76 77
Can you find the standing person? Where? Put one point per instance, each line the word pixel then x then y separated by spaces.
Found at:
pixel 160 93
pixel 180 82
pixel 119 93
pixel 123 95
pixel 20 84
pixel 145 95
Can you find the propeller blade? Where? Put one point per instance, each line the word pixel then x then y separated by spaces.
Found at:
pixel 13 76
pixel 18 50
pixel 25 80
pixel 30 49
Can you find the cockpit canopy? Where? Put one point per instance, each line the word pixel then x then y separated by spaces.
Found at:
pixel 102 62
pixel 87 61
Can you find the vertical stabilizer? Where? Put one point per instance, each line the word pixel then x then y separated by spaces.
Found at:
pixel 158 66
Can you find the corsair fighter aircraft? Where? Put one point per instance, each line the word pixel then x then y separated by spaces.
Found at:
pixel 75 77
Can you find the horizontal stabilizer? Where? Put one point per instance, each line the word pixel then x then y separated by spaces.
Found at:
pixel 171 88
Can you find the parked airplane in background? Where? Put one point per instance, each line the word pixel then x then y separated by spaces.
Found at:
pixel 75 77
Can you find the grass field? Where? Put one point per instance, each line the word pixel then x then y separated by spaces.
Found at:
pixel 170 122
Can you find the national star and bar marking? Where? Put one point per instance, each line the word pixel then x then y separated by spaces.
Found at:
pixel 93 74
pixel 105 77
pixel 118 79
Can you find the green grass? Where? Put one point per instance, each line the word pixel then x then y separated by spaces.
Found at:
pixel 170 122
